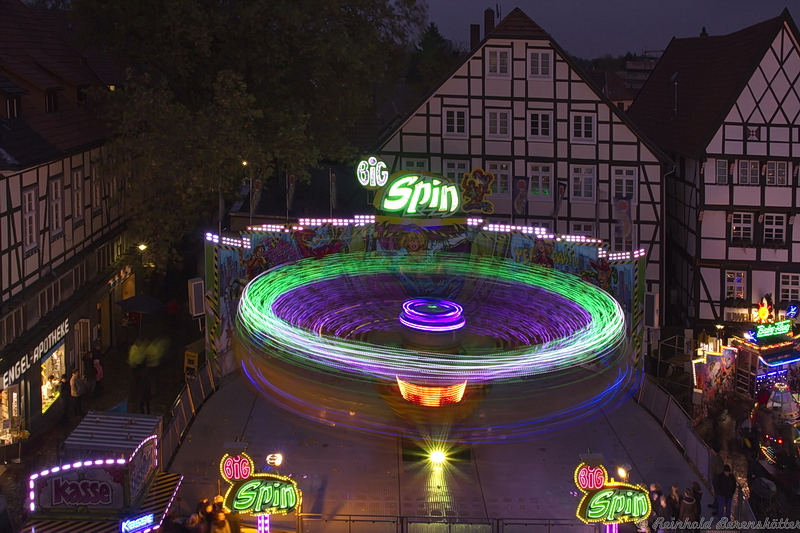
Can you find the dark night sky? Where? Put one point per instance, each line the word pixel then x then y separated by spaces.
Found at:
pixel 593 28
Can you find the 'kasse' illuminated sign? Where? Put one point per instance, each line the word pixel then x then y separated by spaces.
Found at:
pixel 607 501
pixel 418 195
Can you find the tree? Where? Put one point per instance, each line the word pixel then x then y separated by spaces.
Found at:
pixel 216 82
pixel 432 58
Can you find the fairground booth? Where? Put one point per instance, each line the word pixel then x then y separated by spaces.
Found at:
pixel 109 479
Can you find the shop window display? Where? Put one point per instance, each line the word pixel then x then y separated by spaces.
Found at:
pixel 52 368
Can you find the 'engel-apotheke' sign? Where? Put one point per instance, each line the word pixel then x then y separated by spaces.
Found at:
pixel 26 361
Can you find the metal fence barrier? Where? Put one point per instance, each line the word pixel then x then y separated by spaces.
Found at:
pixel 316 523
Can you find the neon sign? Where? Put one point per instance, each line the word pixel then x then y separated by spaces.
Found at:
pixel 419 195
pixel 372 173
pixel 136 524
pixel 791 312
pixel 257 493
pixel 607 501
pixel 773 330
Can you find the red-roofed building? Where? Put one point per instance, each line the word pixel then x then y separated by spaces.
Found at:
pixel 564 156
pixel 727 110
pixel 62 226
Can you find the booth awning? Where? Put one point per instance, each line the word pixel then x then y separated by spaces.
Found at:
pixel 158 500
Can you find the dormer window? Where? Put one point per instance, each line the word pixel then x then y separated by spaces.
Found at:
pixel 13 106
pixel 50 102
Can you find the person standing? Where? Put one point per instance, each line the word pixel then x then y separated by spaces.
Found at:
pixel 89 373
pixel 145 392
pixel 66 396
pixel 77 388
pixel 98 377
pixel 688 511
pixel 220 523
pixel 724 488
pixel 717 463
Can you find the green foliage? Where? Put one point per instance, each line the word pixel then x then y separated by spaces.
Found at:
pixel 433 57
pixel 213 83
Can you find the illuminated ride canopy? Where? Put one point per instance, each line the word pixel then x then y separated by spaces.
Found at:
pixel 537 348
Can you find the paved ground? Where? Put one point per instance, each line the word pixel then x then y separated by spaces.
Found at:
pixel 342 472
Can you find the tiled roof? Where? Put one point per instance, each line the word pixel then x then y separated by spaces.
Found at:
pixel 517 23
pixel 707 74
pixel 35 59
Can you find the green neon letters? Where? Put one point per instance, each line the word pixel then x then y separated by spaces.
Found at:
pixel 616 504
pixel 259 496
pixel 420 195
pixel 772 330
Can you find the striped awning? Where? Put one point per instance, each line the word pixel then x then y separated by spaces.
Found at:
pixel 119 433
pixel 157 501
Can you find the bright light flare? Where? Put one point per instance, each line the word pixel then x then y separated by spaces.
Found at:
pixel 438 457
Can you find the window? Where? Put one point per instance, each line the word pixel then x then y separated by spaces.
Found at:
pixel 497 124
pixel 776 173
pixel 13 106
pixel 78 204
pixel 455 123
pixel 454 170
pixel 582 179
pixel 11 326
pixel 50 102
pixel 625 183
pixel 583 128
pixel 790 287
pixel 548 225
pixel 539 64
pixel 418 165
pixel 774 228
pixel 722 172
pixel 104 258
pixel 97 202
pixel 539 126
pixel 585 229
pixel 498 63
pixel 541 181
pixel 79 276
pixel 56 200
pixel 748 172
pixel 49 298
pixel 735 284
pixel 742 227
pixel 29 229
pixel 620 242
pixel 502 177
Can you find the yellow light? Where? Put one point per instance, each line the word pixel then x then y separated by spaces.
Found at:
pixel 622 473
pixel 244 163
pixel 438 457
pixel 274 459
pixel 142 247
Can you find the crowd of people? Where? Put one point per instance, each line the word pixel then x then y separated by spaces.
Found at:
pixel 686 505
pixel 209 516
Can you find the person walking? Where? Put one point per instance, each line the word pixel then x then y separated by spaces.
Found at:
pixel 724 488
pixel 98 378
pixel 77 389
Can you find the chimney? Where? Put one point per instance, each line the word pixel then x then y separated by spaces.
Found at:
pixel 704 33
pixel 488 21
pixel 474 35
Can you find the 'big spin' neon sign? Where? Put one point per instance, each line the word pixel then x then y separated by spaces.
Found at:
pixel 409 194
pixel 257 493
pixel 607 501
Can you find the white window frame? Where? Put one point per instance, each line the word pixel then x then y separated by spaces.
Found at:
pixel 544 224
pixel 735 284
pixel 777 174
pixel 582 229
pixel 583 128
pixel 454 112
pixel 748 172
pixel 51 101
pixel 540 176
pixel 501 187
pixel 415 165
pixel 790 287
pixel 11 326
pixel 620 244
pixel 49 298
pixel 455 169
pixel 722 172
pixel 56 201
pixel 625 183
pixel 78 199
pixel 540 64
pixel 78 276
pixel 544 126
pixel 774 228
pixel 30 226
pixel 498 62
pixel 498 124
pixel 583 183
pixel 13 104
pixel 742 225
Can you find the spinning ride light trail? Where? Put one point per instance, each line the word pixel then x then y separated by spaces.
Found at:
pixel 306 338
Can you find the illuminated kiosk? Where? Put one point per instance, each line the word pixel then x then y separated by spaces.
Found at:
pixel 112 484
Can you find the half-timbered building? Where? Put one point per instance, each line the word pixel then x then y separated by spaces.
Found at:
pixel 727 110
pixel 61 223
pixel 563 155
